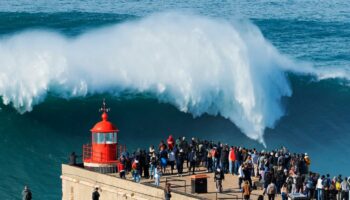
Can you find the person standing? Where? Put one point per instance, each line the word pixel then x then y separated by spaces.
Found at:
pixel 320 187
pixel 136 171
pixel 240 176
pixel 310 187
pixel 153 165
pixel 192 157
pixel 218 177
pixel 307 162
pixel 224 164
pixel 209 161
pixel 73 159
pixel 255 159
pixel 26 193
pixel 179 162
pixel 121 168
pixel 96 194
pixel 247 173
pixel 171 159
pixel 231 159
pixel 157 175
pixel 344 190
pixel 271 191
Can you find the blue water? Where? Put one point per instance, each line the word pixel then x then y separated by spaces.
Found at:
pixel 45 115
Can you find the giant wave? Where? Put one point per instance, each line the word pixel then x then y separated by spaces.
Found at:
pixel 198 64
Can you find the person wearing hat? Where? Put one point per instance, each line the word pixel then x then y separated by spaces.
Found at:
pixel 95 194
pixel 136 171
pixel 26 193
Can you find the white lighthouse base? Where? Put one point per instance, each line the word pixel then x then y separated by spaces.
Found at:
pixel 104 168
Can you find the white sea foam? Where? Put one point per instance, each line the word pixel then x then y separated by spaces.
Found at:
pixel 198 64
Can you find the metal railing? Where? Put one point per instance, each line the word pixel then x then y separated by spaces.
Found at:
pixel 171 180
pixel 88 153
pixel 231 196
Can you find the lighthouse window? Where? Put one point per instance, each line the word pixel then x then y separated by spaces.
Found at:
pixel 99 138
pixel 111 138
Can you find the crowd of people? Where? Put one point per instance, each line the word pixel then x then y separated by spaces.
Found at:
pixel 279 172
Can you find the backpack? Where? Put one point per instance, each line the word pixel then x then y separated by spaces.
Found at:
pixel 338 186
pixel 134 165
pixel 214 153
pixel 325 183
pixel 310 184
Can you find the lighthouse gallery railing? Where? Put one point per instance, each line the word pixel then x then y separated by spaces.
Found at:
pixel 99 156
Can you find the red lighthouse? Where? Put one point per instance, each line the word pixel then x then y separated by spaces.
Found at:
pixel 102 154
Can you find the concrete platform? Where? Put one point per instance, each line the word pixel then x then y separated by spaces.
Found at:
pixel 230 185
pixel 78 184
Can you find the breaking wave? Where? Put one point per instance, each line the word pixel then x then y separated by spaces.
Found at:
pixel 198 64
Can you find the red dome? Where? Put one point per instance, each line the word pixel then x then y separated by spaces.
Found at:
pixel 104 126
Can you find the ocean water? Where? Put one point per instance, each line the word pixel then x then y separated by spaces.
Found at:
pixel 259 74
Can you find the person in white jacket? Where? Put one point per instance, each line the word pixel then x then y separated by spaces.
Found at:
pixel 157 175
pixel 240 176
pixel 344 189
pixel 319 187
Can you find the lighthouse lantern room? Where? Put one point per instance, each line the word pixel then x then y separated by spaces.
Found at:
pixel 102 154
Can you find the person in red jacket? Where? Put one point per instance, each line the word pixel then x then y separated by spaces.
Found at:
pixel 231 159
pixel 121 169
pixel 170 142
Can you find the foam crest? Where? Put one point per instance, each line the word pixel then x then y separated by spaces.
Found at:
pixel 198 64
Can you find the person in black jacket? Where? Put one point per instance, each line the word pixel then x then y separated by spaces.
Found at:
pixel 26 194
pixel 73 159
pixel 95 194
pixel 192 157
pixel 224 159
pixel 179 162
pixel 218 177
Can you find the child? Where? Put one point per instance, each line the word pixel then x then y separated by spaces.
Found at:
pixel 157 175
pixel 246 190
